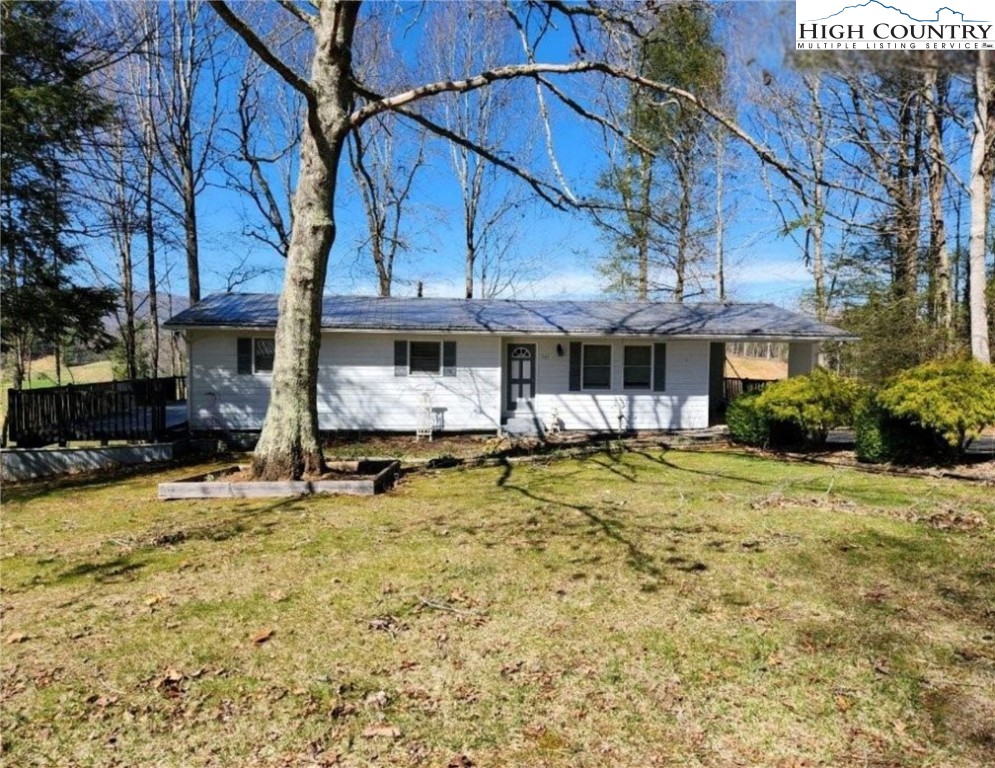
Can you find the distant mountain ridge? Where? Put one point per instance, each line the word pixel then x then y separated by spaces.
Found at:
pixel 882 6
pixel 167 305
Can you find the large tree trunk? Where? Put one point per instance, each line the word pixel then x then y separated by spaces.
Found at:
pixel 720 272
pixel 940 297
pixel 289 445
pixel 190 231
pixel 153 280
pixel 685 182
pixel 645 190
pixel 817 225
pixel 980 349
pixel 908 200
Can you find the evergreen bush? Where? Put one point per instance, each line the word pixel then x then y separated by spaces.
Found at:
pixel 803 409
pixel 747 423
pixel 952 401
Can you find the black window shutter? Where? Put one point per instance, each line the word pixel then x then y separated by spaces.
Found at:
pixel 575 354
pixel 244 355
pixel 659 367
pixel 449 358
pixel 400 358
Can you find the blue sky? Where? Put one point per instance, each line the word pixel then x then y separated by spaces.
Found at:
pixel 761 265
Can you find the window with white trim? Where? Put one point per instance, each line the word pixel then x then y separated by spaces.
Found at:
pixel 424 358
pixel 255 355
pixel 596 366
pixel 637 366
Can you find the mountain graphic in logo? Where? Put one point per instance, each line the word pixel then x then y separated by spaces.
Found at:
pixel 944 15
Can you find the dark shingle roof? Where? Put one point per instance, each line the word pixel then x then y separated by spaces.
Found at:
pixel 580 318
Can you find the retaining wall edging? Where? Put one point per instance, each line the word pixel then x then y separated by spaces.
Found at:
pixel 28 463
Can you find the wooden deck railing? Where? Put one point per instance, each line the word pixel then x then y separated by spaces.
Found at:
pixel 115 410
pixel 733 388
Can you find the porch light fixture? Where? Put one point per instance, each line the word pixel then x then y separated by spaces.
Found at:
pixel 559 349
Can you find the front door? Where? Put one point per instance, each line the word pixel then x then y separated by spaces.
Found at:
pixel 521 374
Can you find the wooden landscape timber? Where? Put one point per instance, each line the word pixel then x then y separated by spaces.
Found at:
pixel 383 473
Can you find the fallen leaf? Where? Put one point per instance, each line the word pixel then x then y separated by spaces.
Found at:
pixel 16 637
pixel 342 710
pixel 510 669
pixel 173 675
pixel 381 730
pixel 842 704
pixel 278 596
pixel 377 700
pixel 154 600
pixel 460 761
pixel 899 727
pixel 262 636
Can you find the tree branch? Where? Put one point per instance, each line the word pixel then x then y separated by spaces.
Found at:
pixel 398 101
pixel 260 49
pixel 295 10
pixel 546 191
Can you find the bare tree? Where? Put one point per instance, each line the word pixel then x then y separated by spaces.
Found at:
pixel 262 162
pixel 936 85
pixel 982 170
pixel 385 155
pixel 190 75
pixel 385 184
pixel 466 37
pixel 288 444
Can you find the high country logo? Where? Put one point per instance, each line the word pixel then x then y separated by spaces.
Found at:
pixel 876 25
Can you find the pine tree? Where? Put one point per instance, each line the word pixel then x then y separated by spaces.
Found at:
pixel 45 113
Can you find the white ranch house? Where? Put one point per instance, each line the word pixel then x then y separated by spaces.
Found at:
pixel 391 364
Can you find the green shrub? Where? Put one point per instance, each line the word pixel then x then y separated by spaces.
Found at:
pixel 805 408
pixel 747 423
pixel 926 414
pixel 882 437
pixel 871 443
pixel 952 400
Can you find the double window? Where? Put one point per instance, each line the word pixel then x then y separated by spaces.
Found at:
pixel 255 355
pixel 644 367
pixel 424 358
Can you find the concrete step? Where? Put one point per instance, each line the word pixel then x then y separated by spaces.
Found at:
pixel 523 426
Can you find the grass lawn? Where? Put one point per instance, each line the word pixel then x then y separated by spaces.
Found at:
pixel 660 608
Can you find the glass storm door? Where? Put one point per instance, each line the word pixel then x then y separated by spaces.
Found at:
pixel 521 374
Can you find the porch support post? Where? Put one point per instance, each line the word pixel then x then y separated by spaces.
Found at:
pixel 802 358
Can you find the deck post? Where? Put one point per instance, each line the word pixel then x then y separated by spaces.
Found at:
pixel 803 357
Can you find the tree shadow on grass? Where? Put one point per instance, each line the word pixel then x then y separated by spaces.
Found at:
pixel 665 462
pixel 120 568
pixel 602 523
pixel 914 606
pixel 140 551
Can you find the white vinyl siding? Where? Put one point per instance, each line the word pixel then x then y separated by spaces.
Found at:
pixel 357 386
pixel 684 405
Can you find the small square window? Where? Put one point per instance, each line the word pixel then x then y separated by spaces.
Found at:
pixel 637 367
pixel 597 366
pixel 425 356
